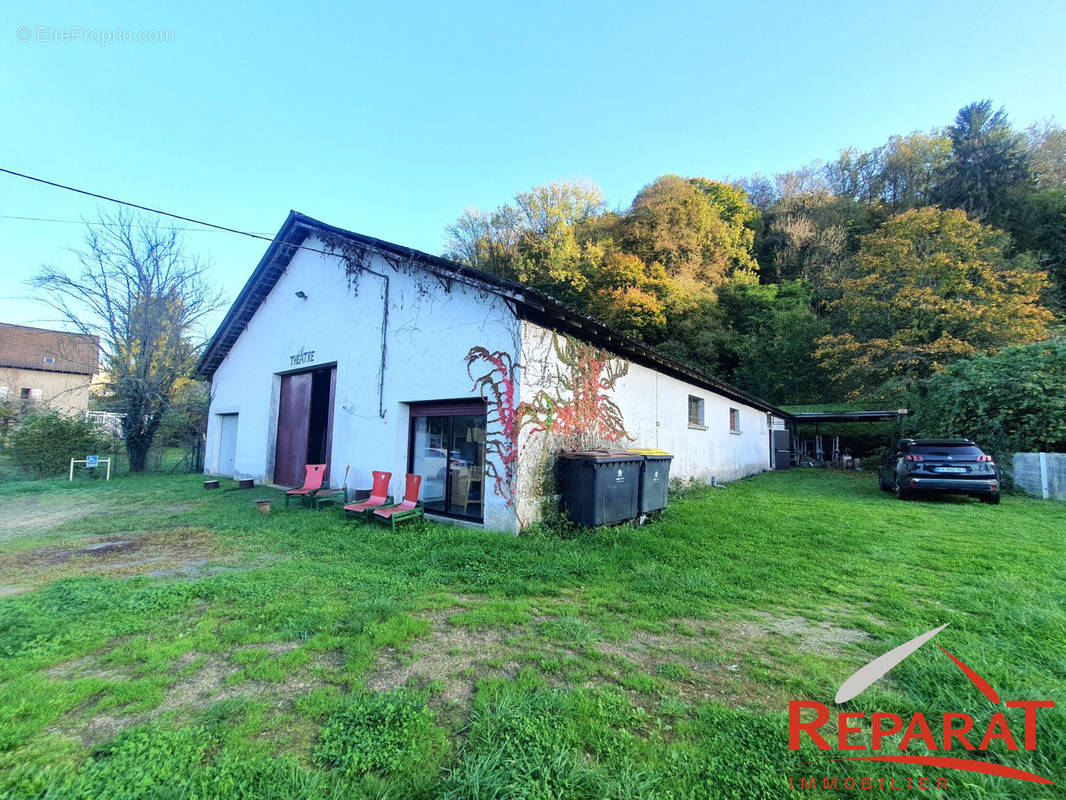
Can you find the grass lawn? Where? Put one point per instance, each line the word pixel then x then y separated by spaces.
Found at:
pixel 158 640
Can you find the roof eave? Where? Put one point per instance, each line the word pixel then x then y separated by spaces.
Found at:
pixel 298 226
pixel 291 234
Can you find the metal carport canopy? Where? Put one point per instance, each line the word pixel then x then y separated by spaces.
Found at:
pixel 848 416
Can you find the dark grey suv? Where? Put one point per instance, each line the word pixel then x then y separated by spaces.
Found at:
pixel 955 466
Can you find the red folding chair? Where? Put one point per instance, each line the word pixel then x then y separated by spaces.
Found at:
pixel 313 474
pixel 410 508
pixel 379 496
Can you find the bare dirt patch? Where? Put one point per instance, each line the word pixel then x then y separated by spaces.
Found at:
pixel 730 660
pixel 812 637
pixel 178 552
pixel 204 679
pixel 697 667
pixel 725 660
pixel 455 655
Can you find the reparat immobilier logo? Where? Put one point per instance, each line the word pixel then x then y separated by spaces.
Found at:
pixel 954 728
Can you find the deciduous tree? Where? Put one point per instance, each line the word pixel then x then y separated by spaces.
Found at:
pixel 1046 144
pixel 911 168
pixel 773 330
pixel 931 286
pixel 144 295
pixel 700 231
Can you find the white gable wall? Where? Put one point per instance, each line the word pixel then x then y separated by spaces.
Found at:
pixel 432 326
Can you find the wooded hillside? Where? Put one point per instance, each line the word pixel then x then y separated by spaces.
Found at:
pixel 857 279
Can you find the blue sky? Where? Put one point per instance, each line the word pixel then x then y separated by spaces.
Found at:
pixel 390 119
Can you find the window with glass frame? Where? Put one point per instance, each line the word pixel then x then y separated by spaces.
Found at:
pixel 695 411
pixel 734 420
pixel 447 448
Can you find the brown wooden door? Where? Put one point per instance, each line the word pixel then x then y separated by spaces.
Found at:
pixel 294 417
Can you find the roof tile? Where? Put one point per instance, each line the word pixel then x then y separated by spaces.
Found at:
pixel 22 347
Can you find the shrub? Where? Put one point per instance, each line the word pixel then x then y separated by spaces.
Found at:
pixel 680 488
pixel 44 441
pixel 1011 402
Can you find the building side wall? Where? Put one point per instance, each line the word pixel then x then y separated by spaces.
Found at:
pixel 653 409
pixel 62 391
pixel 432 326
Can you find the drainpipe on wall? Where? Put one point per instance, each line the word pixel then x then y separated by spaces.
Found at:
pixel 384 336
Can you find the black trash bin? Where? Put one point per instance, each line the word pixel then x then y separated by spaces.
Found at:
pixel 600 486
pixel 654 480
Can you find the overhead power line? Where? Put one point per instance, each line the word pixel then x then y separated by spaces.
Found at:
pixel 91 223
pixel 250 235
pixel 138 206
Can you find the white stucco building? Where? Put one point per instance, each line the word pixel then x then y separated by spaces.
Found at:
pixel 347 350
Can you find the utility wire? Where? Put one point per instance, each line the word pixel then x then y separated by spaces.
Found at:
pixel 88 222
pixel 137 205
pixel 250 235
pixel 260 236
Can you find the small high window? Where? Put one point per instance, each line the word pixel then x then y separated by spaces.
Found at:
pixel 49 360
pixel 734 420
pixel 695 411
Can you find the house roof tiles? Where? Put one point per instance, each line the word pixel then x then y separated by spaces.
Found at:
pixel 22 347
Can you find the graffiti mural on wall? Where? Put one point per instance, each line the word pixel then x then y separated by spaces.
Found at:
pixel 575 406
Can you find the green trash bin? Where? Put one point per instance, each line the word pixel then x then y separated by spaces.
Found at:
pixel 654 479
pixel 600 487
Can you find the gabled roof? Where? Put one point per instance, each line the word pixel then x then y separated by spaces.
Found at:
pixel 22 347
pixel 528 303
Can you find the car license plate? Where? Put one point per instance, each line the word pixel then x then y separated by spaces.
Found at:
pixel 950 469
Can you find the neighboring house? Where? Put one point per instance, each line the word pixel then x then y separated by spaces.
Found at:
pixel 45 366
pixel 347 350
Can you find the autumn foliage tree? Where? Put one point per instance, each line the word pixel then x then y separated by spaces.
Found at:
pixel 639 270
pixel 834 281
pixel 930 287
pixel 700 231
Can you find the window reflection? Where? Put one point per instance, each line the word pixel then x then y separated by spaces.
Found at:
pixel 449 453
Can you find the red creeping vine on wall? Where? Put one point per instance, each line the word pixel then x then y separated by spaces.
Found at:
pixel 576 408
pixel 583 407
pixel 497 387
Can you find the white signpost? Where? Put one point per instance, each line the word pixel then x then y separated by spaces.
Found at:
pixel 90 462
